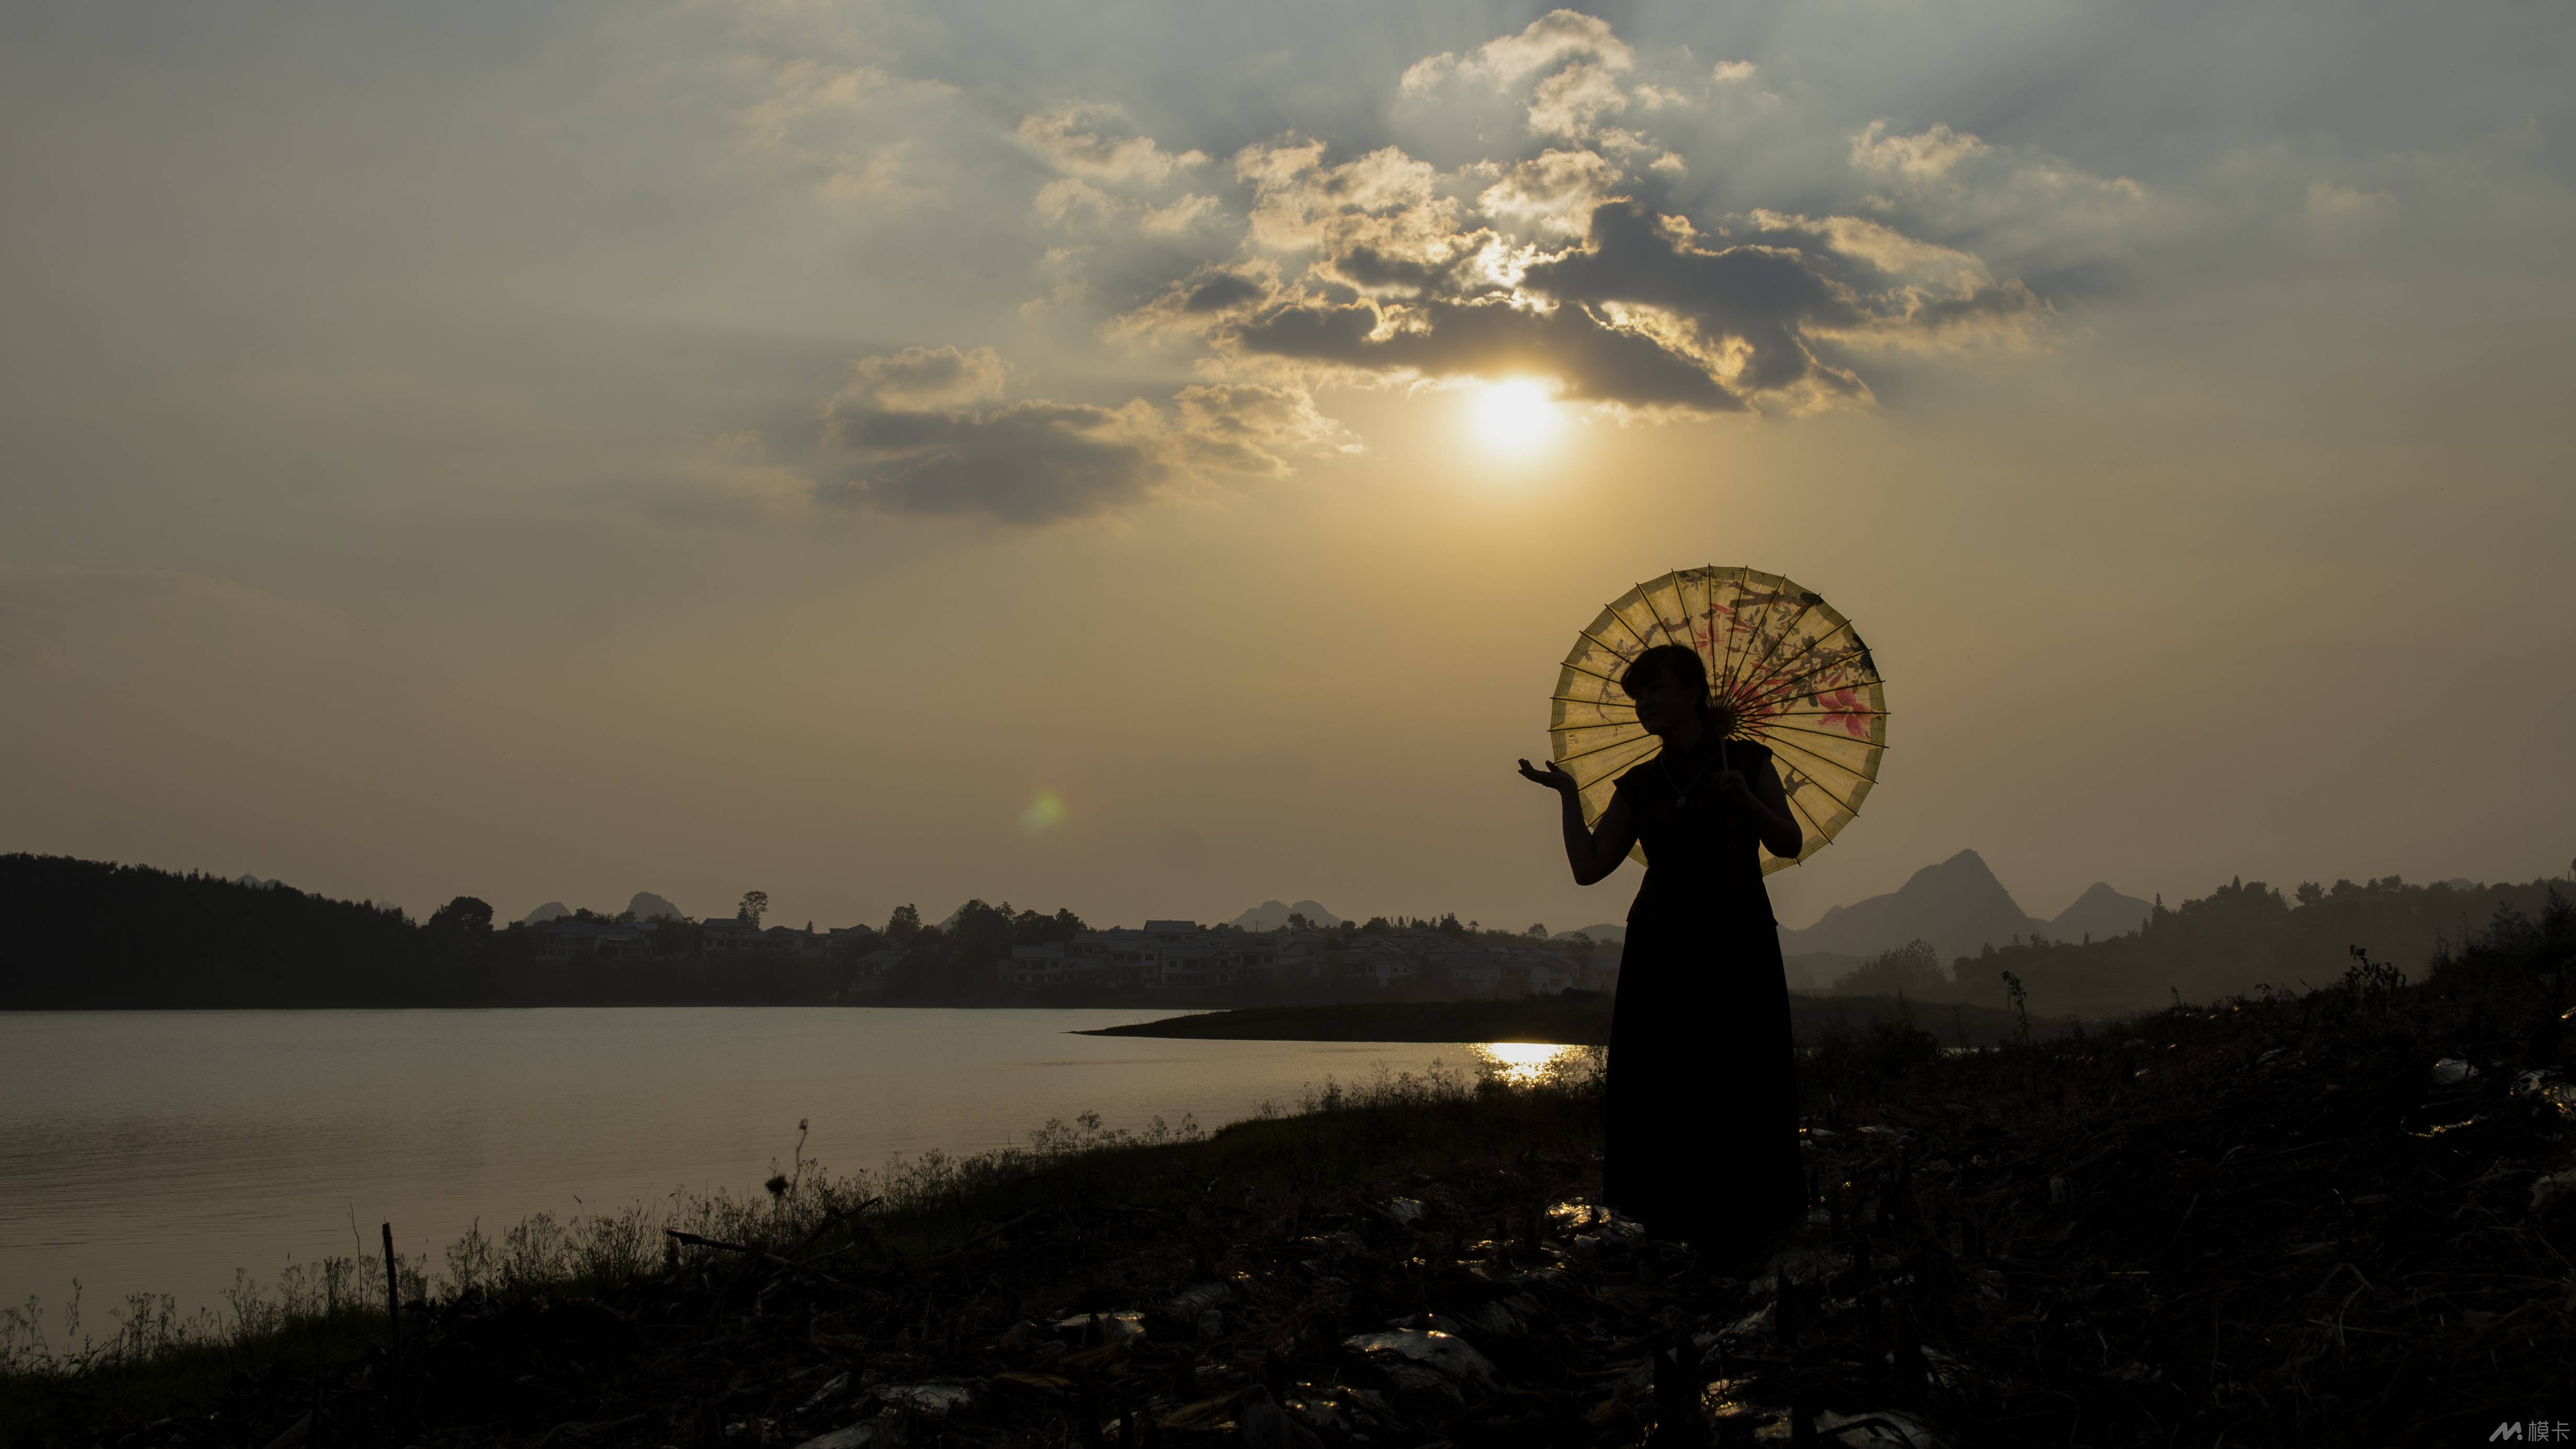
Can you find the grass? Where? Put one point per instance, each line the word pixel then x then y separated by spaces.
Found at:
pixel 326 1320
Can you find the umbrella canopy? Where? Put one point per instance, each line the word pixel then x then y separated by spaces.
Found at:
pixel 1784 668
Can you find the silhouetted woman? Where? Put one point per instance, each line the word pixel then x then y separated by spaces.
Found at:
pixel 1701 1135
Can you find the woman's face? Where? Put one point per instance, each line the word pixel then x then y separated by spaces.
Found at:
pixel 1664 702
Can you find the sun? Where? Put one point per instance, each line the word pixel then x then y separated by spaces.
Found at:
pixel 1517 415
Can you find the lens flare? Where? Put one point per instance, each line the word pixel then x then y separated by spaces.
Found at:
pixel 1045 813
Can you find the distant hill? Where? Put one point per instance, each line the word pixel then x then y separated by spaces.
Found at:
pixel 1961 909
pixel 1271 915
pixel 647 905
pixel 1614 935
pixel 1957 905
pixel 2100 912
pixel 550 911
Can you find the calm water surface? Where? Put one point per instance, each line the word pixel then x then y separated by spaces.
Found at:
pixel 160 1151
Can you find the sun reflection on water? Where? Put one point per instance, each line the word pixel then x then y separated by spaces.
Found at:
pixel 1523 1062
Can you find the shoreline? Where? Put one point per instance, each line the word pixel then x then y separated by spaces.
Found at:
pixel 1570 1020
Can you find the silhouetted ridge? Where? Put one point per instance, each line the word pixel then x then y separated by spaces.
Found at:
pixel 2101 913
pixel 1272 915
pixel 1957 905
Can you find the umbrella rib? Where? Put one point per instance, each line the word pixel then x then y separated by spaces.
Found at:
pixel 1725 674
pixel 1829 763
pixel 1648 600
pixel 1807 713
pixel 1583 785
pixel 1614 653
pixel 1724 680
pixel 1807 823
pixel 1842 739
pixel 1578 699
pixel 1809 698
pixel 1613 612
pixel 1812 646
pixel 1604 678
pixel 1829 735
pixel 1596 749
pixel 1708 597
pixel 1820 785
pixel 1779 686
pixel 1751 664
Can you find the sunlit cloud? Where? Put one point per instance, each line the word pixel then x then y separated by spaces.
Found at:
pixel 1072 140
pixel 1299 267
pixel 943 442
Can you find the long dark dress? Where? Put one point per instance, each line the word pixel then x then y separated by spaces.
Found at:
pixel 1701 1141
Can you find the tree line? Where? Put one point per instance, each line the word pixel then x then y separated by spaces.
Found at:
pixel 93 934
pixel 2241 939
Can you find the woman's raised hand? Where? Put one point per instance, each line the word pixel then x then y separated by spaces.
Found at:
pixel 1550 776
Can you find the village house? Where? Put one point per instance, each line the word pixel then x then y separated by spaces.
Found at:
pixel 568 939
pixel 727 935
pixel 809 943
pixel 870 974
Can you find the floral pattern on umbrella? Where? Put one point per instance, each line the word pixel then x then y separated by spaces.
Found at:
pixel 1785 668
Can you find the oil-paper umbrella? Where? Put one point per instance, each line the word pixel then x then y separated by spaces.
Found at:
pixel 1784 669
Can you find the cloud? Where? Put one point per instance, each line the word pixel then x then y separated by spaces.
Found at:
pixel 908 436
pixel 1067 139
pixel 926 379
pixel 1559 35
pixel 1563 254
pixel 1928 153
pixel 1067 201
pixel 831 124
pixel 1571 103
pixel 1065 198
pixel 1640 313
pixel 1379 224
pixel 1554 193
pixel 2330 202
pixel 1577 63
pixel 2019 202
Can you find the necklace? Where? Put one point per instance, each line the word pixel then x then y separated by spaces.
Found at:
pixel 1681 792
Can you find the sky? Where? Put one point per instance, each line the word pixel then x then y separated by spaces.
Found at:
pixel 1149 459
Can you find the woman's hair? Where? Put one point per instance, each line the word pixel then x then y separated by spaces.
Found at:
pixel 1675 662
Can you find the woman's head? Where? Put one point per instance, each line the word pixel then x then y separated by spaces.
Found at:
pixel 1669 683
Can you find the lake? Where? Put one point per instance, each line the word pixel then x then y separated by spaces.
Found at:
pixel 161 1150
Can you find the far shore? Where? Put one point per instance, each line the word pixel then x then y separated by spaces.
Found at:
pixel 1575 1019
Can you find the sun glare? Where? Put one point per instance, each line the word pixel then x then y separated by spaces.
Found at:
pixel 1517 415
pixel 1522 1062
